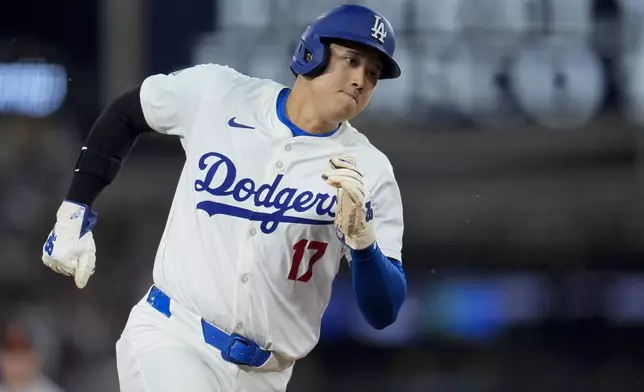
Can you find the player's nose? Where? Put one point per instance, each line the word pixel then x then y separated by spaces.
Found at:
pixel 358 78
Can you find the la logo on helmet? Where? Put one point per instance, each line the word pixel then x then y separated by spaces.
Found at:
pixel 378 29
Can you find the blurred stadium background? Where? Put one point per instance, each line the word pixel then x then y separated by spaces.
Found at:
pixel 517 136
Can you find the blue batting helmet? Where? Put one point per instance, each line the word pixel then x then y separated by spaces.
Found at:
pixel 351 23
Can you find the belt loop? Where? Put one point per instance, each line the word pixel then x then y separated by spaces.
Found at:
pixel 160 301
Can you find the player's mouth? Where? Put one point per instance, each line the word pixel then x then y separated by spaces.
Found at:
pixel 353 96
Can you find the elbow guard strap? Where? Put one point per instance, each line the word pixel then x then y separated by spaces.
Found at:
pixel 98 164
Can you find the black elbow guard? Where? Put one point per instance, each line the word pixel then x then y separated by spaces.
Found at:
pixel 98 164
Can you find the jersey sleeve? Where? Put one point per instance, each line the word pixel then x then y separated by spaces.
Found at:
pixel 386 203
pixel 171 102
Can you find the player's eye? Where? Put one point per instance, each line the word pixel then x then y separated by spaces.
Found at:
pixel 373 74
pixel 352 61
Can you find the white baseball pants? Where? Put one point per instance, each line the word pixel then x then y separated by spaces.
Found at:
pixel 160 354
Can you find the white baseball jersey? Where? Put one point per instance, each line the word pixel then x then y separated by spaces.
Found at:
pixel 250 244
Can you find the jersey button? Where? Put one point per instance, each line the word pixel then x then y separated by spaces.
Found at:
pixel 279 164
pixel 288 147
pixel 240 326
pixel 253 231
pixel 244 278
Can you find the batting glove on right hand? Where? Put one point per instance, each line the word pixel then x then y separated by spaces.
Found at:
pixel 353 215
pixel 70 248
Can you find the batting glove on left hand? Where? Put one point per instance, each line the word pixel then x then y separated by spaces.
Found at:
pixel 353 216
pixel 70 247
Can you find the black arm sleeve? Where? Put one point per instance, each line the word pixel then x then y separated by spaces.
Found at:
pixel 110 140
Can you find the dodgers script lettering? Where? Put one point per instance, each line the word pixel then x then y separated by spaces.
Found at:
pixel 278 201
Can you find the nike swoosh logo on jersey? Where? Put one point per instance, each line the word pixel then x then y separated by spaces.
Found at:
pixel 220 180
pixel 235 124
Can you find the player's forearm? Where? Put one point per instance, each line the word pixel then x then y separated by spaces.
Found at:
pixel 380 286
pixel 108 144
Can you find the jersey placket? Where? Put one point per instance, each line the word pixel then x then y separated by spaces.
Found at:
pixel 244 279
pixel 245 268
pixel 248 258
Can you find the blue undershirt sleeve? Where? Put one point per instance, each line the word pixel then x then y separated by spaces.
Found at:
pixel 380 285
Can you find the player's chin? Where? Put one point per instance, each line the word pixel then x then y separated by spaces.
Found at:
pixel 347 110
pixel 345 115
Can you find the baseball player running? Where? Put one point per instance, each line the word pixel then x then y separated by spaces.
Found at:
pixel 276 188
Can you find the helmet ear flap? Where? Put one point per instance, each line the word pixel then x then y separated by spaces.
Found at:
pixel 311 56
pixel 323 63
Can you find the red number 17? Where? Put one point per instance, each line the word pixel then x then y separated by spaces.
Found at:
pixel 299 248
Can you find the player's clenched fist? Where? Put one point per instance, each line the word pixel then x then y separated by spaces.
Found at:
pixel 70 248
pixel 353 215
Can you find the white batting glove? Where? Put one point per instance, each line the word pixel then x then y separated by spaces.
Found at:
pixel 70 248
pixel 353 216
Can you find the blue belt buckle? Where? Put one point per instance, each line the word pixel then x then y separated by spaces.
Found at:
pixel 240 350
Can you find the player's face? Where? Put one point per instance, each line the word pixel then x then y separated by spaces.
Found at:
pixel 345 88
